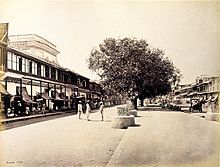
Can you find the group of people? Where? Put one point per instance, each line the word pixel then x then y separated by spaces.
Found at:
pixel 88 110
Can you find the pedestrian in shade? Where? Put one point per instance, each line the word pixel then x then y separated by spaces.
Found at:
pixel 79 109
pixel 88 110
pixel 101 108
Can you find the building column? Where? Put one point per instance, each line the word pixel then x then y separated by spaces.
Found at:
pixel 6 84
pixel 21 88
pixel 55 89
pixel 40 87
pixel 31 108
pixel 31 89
pixel 5 106
pixel 61 89
pixel 48 103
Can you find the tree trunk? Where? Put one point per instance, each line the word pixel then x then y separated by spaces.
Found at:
pixel 134 103
pixel 142 102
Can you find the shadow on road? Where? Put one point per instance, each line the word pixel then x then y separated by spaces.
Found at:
pixel 34 120
pixel 96 120
pixel 153 109
pixel 136 125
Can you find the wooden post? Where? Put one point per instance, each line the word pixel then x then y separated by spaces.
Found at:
pixel 6 106
pixel 31 95
pixel 40 87
pixel 21 88
pixel 55 89
pixel 31 88
pixel 48 87
pixel 6 84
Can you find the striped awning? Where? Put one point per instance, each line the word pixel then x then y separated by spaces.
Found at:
pixel 2 89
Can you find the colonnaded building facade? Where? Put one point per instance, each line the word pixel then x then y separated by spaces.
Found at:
pixel 31 74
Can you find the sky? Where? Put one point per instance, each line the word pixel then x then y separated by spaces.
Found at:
pixel 188 32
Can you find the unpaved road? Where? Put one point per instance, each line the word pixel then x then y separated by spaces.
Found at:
pixel 163 139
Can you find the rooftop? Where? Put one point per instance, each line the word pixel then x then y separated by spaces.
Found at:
pixel 28 37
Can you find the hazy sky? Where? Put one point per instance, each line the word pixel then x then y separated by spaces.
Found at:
pixel 189 32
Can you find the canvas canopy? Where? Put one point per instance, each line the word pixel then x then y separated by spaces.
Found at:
pixel 2 90
pixel 25 95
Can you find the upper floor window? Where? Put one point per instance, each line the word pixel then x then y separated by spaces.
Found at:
pixel 43 70
pixel 34 68
pixel 60 75
pixel 9 60
pixel 14 61
pixel 39 69
pixel 23 64
pixel 19 63
pixel 53 73
pixel 56 74
pixel 46 71
pixel 30 66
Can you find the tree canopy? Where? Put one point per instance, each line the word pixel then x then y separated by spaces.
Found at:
pixel 131 66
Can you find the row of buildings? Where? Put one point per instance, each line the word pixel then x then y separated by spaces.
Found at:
pixel 205 89
pixel 30 72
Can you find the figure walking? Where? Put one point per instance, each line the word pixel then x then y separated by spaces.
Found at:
pixel 79 109
pixel 88 110
pixel 101 110
pixel 43 109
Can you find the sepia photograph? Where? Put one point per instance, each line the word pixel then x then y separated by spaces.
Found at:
pixel 105 83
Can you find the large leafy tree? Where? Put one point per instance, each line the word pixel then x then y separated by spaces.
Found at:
pixel 131 66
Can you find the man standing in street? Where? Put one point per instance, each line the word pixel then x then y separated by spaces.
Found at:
pixel 88 110
pixel 79 109
pixel 101 109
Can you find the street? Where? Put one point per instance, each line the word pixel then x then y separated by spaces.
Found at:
pixel 162 138
pixel 34 120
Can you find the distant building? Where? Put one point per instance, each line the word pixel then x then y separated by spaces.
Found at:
pixel 95 93
pixel 112 97
pixel 205 88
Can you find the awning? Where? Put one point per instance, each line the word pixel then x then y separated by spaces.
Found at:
pixel 2 90
pixel 45 96
pixel 62 96
pixel 57 97
pixel 80 97
pixel 183 94
pixel 192 93
pixel 214 98
pixel 25 95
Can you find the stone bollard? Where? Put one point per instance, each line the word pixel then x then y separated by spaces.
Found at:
pixel 132 112
pixel 213 116
pixel 122 122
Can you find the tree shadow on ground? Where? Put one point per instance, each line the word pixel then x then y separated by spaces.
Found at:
pixel 153 109
pixel 96 120
pixel 135 125
pixel 100 120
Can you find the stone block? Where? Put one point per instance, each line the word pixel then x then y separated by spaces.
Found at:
pixel 132 112
pixel 123 122
pixel 213 116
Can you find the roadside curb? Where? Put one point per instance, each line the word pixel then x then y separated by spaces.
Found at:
pixel 9 120
pixel 208 116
